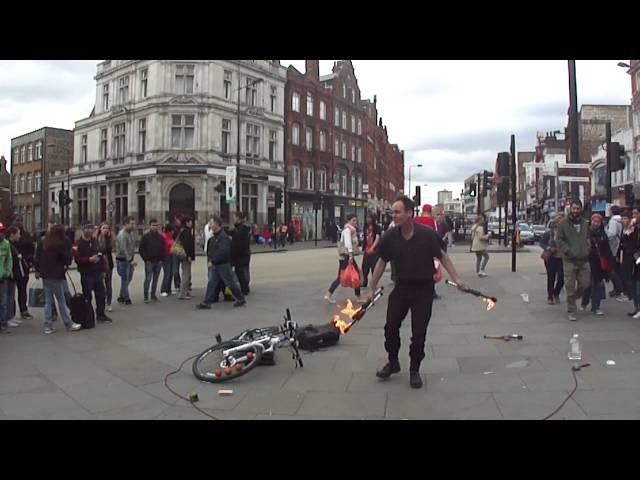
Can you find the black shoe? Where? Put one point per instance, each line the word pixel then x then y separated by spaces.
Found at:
pixel 154 299
pixel 389 369
pixel 229 299
pixel 415 379
pixel 104 318
pixel 120 300
pixel 203 306
pixel 240 303
pixel 146 300
pixel 128 302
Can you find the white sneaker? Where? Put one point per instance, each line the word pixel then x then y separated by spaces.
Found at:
pixel 637 315
pixel 581 308
pixel 623 298
pixel 109 308
pixel 74 327
pixel 164 294
pixel 329 298
pixel 14 323
pixel 598 312
pixel 482 273
pixel 49 330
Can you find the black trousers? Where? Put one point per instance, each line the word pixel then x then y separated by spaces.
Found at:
pixel 555 277
pixel 368 265
pixel 244 277
pixel 21 285
pixel 418 299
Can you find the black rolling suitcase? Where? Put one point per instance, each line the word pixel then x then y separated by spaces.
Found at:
pixel 313 337
pixel 81 309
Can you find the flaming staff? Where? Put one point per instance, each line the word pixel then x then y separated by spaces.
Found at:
pixel 354 314
pixel 490 301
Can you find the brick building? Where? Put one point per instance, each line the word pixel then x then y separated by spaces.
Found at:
pixel 337 150
pixel 34 156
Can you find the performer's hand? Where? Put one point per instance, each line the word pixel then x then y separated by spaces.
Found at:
pixel 370 295
pixel 461 285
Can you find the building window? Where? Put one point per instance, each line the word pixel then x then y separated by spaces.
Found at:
pixel 336 117
pixel 226 135
pixel 353 185
pixel 323 141
pixel 309 105
pixel 336 149
pixel 16 156
pixel 38 150
pixel 226 84
pixel 309 174
pixel 359 150
pixel 29 183
pixel 353 153
pixel 23 154
pixel 118 140
pixel 344 150
pixel 323 110
pixel 22 179
pixel 30 150
pixel 184 79
pixel 121 208
pixel 83 149
pixel 253 140
pixel 353 95
pixel 273 145
pixel 353 124
pixel 343 182
pixel 295 134
pixel 251 93
pixel 359 126
pixel 103 203
pixel 123 89
pixel 274 98
pixel 16 184
pixel 295 102
pixel 250 200
pixel 103 144
pixel 344 120
pixel 322 179
pixel 37 182
pixel 295 176
pixel 358 186
pixel 82 201
pixel 143 82
pixel 344 90
pixel 375 163
pixel 182 127
pixel 142 135
pixel 105 97
pixel 309 138
pixel 141 194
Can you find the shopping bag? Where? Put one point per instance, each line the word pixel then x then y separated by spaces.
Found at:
pixel 350 276
pixel 36 297
pixel 438 266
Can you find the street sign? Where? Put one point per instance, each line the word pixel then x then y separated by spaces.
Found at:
pixel 232 186
pixel 365 188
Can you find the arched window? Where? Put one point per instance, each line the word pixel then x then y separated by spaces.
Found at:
pixel 343 182
pixel 309 105
pixel 21 183
pixel 322 179
pixel 295 134
pixel 323 141
pixel 309 173
pixel 295 176
pixel 353 185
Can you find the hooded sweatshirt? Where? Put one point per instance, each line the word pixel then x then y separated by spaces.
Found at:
pixel 614 232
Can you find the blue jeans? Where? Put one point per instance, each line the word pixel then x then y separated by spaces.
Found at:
pixel 4 303
pixel 217 275
pixel 108 287
pixel 125 270
pixel 94 283
pixel 176 272
pixel 152 268
pixel 167 274
pixel 12 299
pixel 597 294
pixel 54 288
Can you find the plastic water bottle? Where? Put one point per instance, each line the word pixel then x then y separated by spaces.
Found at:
pixel 575 352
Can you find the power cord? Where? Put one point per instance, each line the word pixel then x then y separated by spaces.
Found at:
pixel 192 402
pixel 574 369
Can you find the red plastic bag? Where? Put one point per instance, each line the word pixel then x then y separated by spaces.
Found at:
pixel 350 276
pixel 438 275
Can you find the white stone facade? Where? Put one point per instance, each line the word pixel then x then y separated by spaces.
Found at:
pixel 160 124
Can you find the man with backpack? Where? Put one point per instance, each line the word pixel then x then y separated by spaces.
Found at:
pixel 91 269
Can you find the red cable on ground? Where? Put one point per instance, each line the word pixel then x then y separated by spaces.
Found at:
pixel 575 378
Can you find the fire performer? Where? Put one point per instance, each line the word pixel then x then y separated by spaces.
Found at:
pixel 413 248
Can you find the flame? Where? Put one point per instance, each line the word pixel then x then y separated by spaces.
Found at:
pixel 349 310
pixel 341 324
pixel 490 303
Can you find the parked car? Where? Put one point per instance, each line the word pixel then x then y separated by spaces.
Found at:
pixel 538 231
pixel 526 234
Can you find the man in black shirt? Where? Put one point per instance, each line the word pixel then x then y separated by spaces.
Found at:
pixel 412 247
pixel 91 268
pixel 241 251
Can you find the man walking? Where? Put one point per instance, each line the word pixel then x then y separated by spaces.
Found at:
pixel 574 244
pixel 125 253
pixel 614 234
pixel 413 248
pixel 152 251
pixel 241 250
pixel 91 269
pixel 219 257
pixel 185 238
pixel 26 249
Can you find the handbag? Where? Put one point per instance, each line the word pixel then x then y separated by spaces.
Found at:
pixel 546 255
pixel 342 249
pixel 178 250
pixel 36 297
pixel 350 276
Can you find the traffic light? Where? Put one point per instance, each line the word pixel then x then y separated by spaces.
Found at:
pixel 417 199
pixel 616 156
pixel 503 191
pixel 278 197
pixel 472 190
pixel 219 188
pixel 63 198
pixel 487 177
pixel 502 164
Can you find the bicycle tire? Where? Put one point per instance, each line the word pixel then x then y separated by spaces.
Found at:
pixel 205 374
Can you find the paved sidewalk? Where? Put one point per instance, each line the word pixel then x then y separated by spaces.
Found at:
pixel 116 371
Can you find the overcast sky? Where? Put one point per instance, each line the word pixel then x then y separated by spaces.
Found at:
pixel 450 116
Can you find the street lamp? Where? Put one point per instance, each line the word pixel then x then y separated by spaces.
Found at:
pixel 410 167
pixel 238 184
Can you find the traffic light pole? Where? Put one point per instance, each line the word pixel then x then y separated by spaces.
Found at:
pixel 62 205
pixel 608 152
pixel 478 193
pixel 513 202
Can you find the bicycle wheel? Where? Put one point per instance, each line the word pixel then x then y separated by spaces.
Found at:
pixel 211 366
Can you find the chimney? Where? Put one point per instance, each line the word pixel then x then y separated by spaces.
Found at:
pixel 312 69
pixel 3 164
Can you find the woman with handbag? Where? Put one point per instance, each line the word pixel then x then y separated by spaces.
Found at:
pixel 629 252
pixel 106 244
pixel 552 261
pixel 601 263
pixel 347 250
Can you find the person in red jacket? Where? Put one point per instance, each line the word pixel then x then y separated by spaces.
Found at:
pixel 426 218
pixel 167 235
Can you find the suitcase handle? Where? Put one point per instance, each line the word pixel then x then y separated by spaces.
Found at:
pixel 75 292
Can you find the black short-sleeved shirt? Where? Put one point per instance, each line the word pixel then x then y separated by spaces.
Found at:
pixel 412 259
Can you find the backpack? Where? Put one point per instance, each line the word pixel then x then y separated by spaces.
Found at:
pixel 312 337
